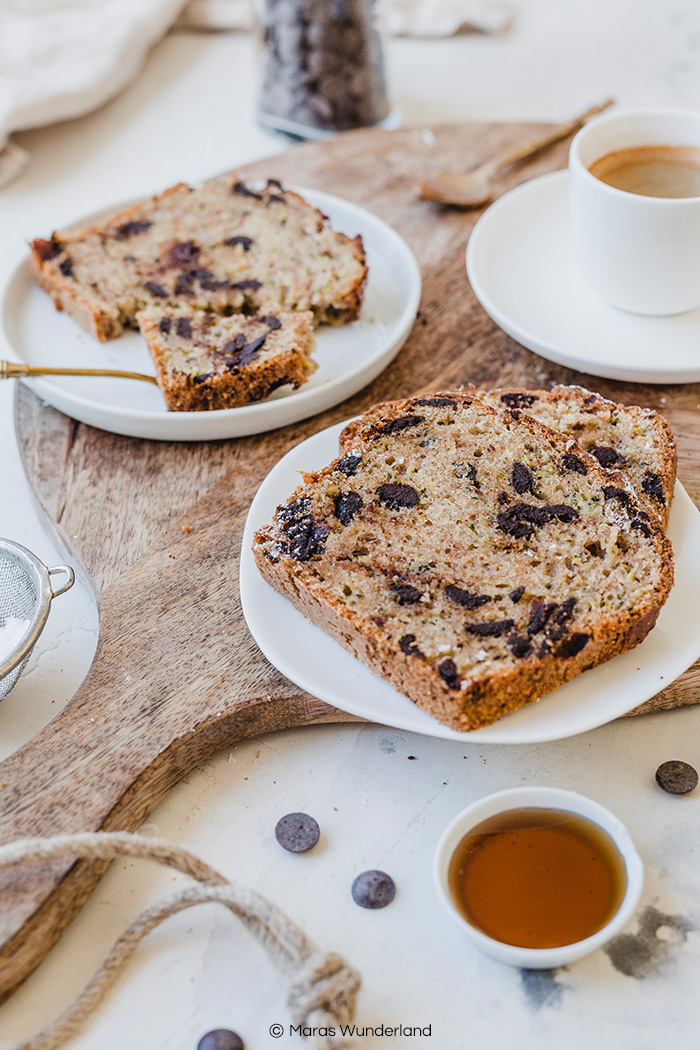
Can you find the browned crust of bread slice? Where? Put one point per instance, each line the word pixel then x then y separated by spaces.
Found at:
pixel 480 697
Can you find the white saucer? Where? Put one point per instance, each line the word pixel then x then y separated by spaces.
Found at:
pixel 520 267
pixel 309 657
pixel 348 358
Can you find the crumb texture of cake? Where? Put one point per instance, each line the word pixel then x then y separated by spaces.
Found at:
pixel 205 361
pixel 457 551
pixel 637 442
pixel 226 247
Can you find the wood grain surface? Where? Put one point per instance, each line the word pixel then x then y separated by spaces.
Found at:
pixel 157 525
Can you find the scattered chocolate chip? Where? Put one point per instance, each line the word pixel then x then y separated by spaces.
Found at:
pixel 130 229
pixel 514 399
pixel 186 253
pixel 393 426
pixel 640 523
pixel 395 495
pixel 607 457
pixel 406 645
pixel 47 249
pixel 247 286
pixel 245 242
pixel 519 646
pixel 156 290
pixel 405 594
pixel 572 462
pixel 164 325
pixel 465 598
pixel 348 464
pixel 573 645
pixel 304 537
pixel 274 184
pixel 272 322
pixel 468 471
pixel 490 629
pixel 242 190
pixel 66 267
pixel 448 672
pixel 653 487
pixel 183 284
pixel 237 352
pixel 522 479
pixel 516 595
pixel 518 520
pixel 676 777
pixel 373 889
pixel 347 504
pixel 411 758
pixel 183 328
pixel 435 402
pixel 590 400
pixel 297 832
pixel 221 1039
pixel 539 614
pixel 562 512
pixel 275 198
pixel 610 492
pixel 502 498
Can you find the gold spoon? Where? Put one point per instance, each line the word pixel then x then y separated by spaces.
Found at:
pixel 11 370
pixel 475 188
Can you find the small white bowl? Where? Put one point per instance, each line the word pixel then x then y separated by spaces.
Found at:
pixel 540 798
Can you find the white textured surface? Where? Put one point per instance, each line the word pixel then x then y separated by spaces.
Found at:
pixel 375 807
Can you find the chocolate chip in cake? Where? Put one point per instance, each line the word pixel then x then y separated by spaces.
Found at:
pixel 183 328
pixel 610 492
pixel 518 645
pixel 395 495
pixel 653 487
pixel 405 594
pixel 640 523
pixel 572 462
pixel 47 250
pixel 348 464
pixel 66 267
pixel 518 520
pixel 346 505
pixel 513 399
pixel 245 242
pixel 247 286
pixel 490 629
pixel 522 479
pixel 435 402
pixel 607 457
pixel 185 253
pixel 156 290
pixel 406 645
pixel 448 672
pixel 221 1039
pixel 164 325
pixel 272 322
pixel 539 614
pixel 573 645
pixel 242 190
pixel 304 536
pixel 373 889
pixel 393 426
pixel 297 832
pixel 676 777
pixel 516 594
pixel 465 598
pixel 130 229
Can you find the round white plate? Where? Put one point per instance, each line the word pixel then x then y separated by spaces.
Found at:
pixel 520 267
pixel 348 358
pixel 309 657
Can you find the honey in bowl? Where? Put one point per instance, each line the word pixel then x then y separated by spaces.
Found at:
pixel 537 878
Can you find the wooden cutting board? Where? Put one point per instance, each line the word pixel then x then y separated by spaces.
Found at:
pixel 157 528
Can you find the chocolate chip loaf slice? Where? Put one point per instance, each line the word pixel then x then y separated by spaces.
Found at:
pixel 226 247
pixel 638 442
pixel 204 361
pixel 460 554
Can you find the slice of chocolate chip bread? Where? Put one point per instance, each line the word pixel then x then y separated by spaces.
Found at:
pixel 204 361
pixel 460 554
pixel 225 247
pixel 638 442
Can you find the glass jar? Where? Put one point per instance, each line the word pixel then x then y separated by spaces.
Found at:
pixel 322 67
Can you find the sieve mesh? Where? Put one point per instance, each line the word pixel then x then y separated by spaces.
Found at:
pixel 19 599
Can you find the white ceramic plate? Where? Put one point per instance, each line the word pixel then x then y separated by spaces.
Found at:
pixel 309 657
pixel 520 267
pixel 348 358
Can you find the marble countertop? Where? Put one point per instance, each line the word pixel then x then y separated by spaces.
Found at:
pixel 382 797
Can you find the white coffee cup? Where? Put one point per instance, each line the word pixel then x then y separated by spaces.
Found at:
pixel 638 253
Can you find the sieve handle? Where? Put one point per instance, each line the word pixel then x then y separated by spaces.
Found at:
pixel 70 574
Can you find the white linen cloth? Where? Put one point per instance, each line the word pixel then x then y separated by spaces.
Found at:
pixel 62 58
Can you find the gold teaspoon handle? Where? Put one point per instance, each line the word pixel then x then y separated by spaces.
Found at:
pixel 12 370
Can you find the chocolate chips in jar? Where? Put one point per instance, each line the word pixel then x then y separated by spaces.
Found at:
pixel 322 67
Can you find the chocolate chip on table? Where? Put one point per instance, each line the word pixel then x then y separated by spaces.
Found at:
pixel 373 889
pixel 297 832
pixel 676 777
pixel 221 1039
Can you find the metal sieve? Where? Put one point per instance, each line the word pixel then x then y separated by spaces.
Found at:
pixel 25 595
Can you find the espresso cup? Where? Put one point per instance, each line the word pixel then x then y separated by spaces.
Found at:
pixel 638 253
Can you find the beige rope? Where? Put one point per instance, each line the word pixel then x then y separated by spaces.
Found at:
pixel 323 987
